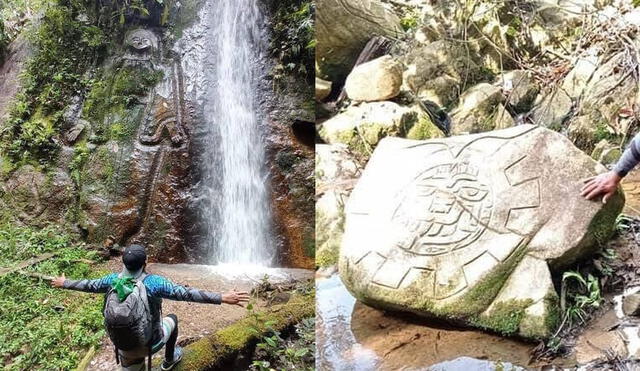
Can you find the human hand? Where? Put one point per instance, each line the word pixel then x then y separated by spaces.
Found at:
pixel 58 281
pixel 604 184
pixel 235 297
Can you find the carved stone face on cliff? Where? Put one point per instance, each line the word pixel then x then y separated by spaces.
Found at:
pixel 141 41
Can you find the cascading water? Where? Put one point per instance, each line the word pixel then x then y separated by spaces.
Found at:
pixel 236 207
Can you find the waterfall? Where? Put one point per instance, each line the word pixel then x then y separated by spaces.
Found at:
pixel 237 208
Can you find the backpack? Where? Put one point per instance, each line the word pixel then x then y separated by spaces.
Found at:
pixel 128 322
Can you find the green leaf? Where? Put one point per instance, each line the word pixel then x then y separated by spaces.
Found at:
pixel 271 342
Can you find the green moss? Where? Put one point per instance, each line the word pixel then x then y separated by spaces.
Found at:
pixel 424 129
pixel 505 317
pixel 410 19
pixel 214 352
pixel 543 327
pixel 478 298
pixel 309 243
pixel 66 50
pixel 329 230
pixel 611 156
pixel 80 157
pixel 292 37
pixel 119 90
pixel 327 257
pixel 466 309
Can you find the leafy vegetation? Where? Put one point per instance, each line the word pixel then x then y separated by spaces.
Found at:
pixel 65 48
pixel 410 19
pixel 296 353
pixel 293 40
pixel 4 40
pixel 584 295
pixel 42 327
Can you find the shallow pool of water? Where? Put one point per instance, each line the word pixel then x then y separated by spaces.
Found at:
pixel 353 336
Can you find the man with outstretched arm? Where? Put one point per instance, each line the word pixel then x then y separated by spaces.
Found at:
pixel 133 285
pixel 606 184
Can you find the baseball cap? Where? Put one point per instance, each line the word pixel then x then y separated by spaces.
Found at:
pixel 134 257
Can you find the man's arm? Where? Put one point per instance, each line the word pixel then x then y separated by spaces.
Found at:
pixel 606 184
pixel 100 285
pixel 630 158
pixel 159 286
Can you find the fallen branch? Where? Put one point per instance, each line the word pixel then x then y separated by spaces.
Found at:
pixel 84 364
pixel 26 263
pixel 36 275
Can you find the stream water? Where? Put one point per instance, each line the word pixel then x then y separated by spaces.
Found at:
pixel 236 210
pixel 352 336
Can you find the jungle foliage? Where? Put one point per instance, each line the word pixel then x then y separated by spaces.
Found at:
pixel 42 327
pixel 293 38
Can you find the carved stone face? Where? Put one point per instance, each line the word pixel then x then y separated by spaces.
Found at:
pixel 142 40
pixel 444 209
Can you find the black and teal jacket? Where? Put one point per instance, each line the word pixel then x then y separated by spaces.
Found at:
pixel 158 288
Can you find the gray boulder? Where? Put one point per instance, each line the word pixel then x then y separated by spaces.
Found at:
pixel 376 80
pixel 436 71
pixel 323 89
pixel 480 109
pixel 336 171
pixel 519 88
pixel 343 27
pixel 469 228
pixel 361 127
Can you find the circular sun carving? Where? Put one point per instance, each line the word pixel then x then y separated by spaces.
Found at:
pixel 443 209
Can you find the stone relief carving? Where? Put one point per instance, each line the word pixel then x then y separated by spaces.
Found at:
pixel 447 212
pixel 141 45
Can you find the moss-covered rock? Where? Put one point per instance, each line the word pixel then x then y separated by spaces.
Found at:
pixel 362 127
pixel 437 71
pixel 336 170
pixel 480 109
pixel 329 227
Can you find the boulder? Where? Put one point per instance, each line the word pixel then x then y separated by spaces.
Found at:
pixel 323 89
pixel 329 227
pixel 519 88
pixel 335 167
pixel 376 80
pixel 631 304
pixel 606 153
pixel 597 345
pixel 361 127
pixel 336 171
pixel 480 109
pixel 577 79
pixel 566 12
pixel 436 71
pixel 344 27
pixel 552 109
pixel 469 228
pixel 609 90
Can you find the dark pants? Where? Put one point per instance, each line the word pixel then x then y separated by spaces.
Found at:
pixel 135 360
